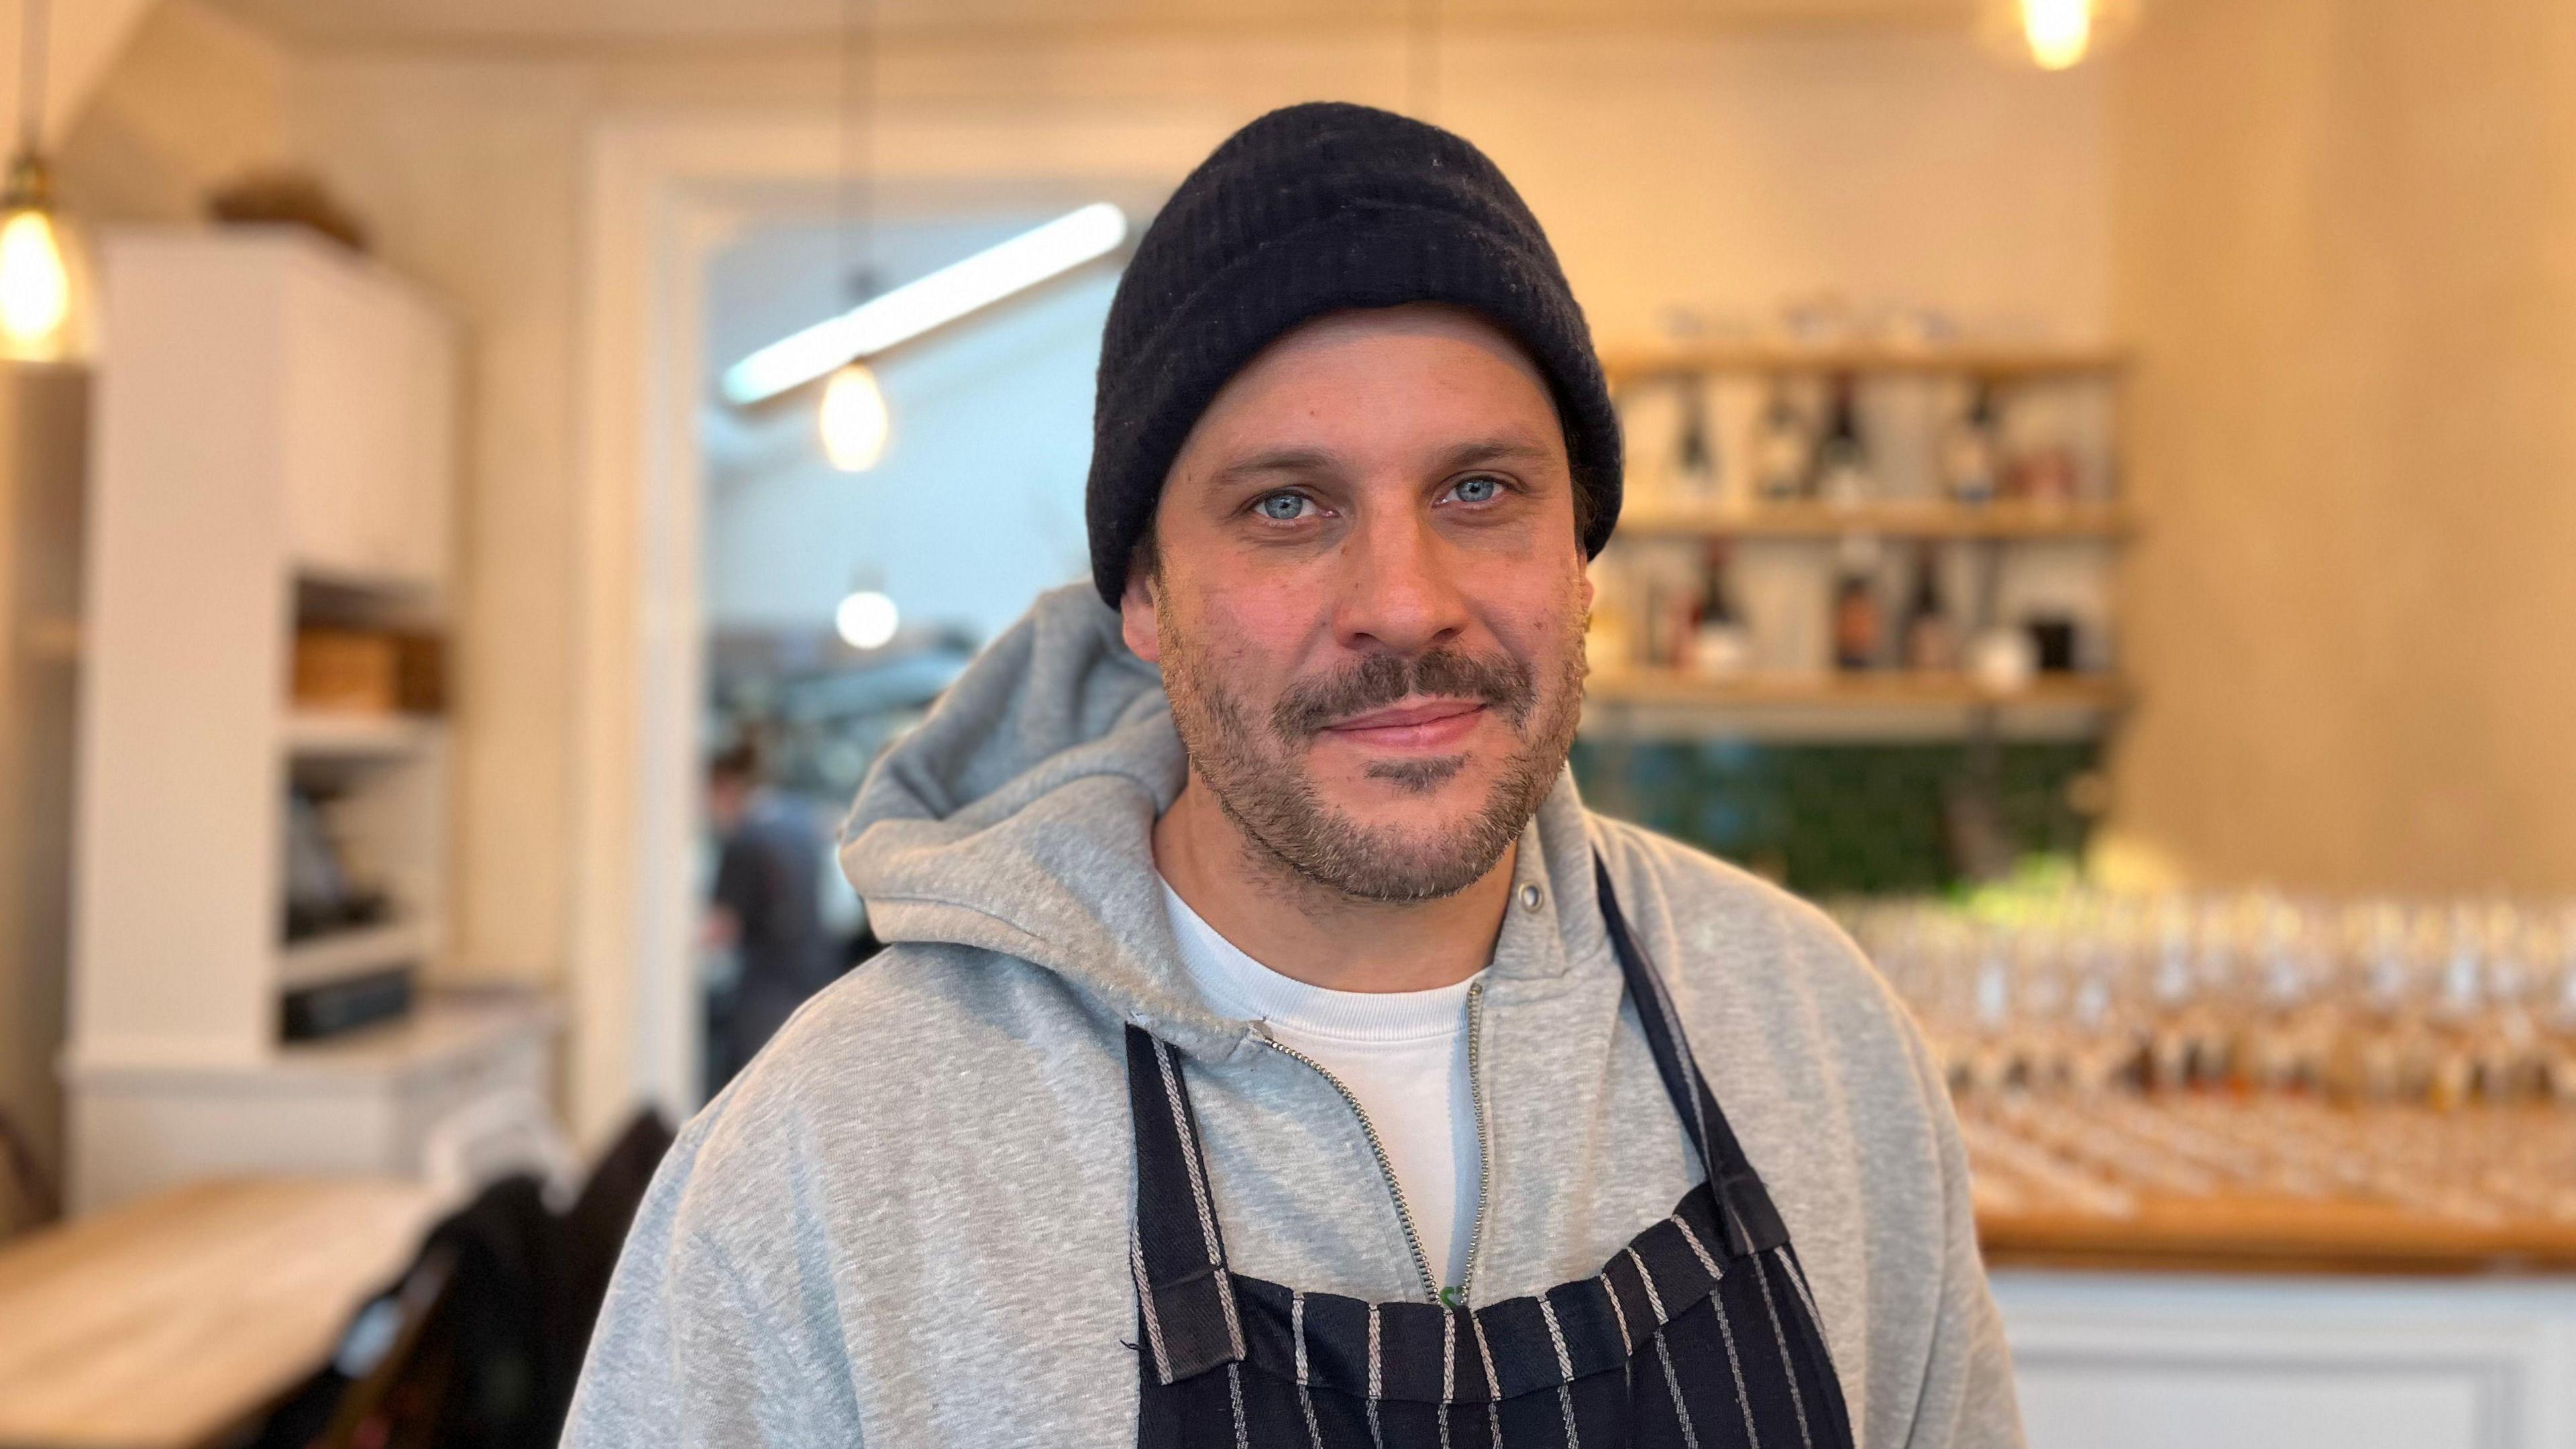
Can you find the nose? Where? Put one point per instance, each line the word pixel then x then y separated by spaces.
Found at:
pixel 1400 590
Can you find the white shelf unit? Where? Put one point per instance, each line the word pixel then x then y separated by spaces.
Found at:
pixel 274 439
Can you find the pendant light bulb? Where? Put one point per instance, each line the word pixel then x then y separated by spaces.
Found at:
pixel 2059 32
pixel 35 286
pixel 855 422
pixel 42 277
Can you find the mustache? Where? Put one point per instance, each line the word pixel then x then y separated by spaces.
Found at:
pixel 1380 680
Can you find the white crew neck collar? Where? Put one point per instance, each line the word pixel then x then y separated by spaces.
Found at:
pixel 1237 985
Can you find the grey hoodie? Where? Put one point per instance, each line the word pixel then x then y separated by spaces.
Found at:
pixel 906 1223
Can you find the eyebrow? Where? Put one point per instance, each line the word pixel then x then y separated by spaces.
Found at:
pixel 1316 460
pixel 1275 460
pixel 1492 450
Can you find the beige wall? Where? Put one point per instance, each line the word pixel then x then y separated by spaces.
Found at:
pixel 194 98
pixel 2345 250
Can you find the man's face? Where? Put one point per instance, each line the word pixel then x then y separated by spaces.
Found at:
pixel 1370 600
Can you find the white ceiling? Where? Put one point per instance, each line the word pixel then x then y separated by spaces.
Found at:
pixel 578 22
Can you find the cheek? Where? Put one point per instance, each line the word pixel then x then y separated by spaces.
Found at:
pixel 1255 635
pixel 1543 619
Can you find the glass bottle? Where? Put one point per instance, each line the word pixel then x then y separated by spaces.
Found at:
pixel 1969 451
pixel 1842 460
pixel 1783 451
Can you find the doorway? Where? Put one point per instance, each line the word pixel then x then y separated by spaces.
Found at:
pixel 836 605
pixel 667 198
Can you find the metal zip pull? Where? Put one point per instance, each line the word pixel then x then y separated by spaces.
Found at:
pixel 1377 1149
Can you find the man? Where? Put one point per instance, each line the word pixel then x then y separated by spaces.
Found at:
pixel 1270 1049
pixel 765 907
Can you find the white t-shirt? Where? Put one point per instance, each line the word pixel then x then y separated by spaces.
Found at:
pixel 1403 1054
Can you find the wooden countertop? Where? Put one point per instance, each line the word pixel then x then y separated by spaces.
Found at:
pixel 2250 1233
pixel 2289 1188
pixel 169 1322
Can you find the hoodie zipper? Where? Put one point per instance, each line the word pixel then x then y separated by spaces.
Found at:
pixel 1484 1148
pixel 1386 1168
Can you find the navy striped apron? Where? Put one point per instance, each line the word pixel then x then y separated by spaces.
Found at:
pixel 1700 1333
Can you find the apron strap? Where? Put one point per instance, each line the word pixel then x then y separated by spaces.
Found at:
pixel 1183 1290
pixel 1752 1224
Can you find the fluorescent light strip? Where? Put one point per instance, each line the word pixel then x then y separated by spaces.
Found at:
pixel 932 301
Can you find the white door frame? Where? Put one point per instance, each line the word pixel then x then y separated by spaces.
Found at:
pixel 664 192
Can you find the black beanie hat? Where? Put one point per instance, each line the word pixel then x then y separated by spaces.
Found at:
pixel 1312 209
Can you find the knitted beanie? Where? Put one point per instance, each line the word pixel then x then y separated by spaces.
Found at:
pixel 1313 209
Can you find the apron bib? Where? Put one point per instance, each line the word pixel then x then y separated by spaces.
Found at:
pixel 1700 1333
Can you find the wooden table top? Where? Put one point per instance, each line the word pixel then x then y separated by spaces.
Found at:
pixel 168 1322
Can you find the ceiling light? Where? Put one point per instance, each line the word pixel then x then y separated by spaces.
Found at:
pixel 855 422
pixel 866 620
pixel 2058 32
pixel 35 285
pixel 2054 34
pixel 41 277
pixel 932 301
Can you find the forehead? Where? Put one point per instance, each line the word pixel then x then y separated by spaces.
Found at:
pixel 1335 366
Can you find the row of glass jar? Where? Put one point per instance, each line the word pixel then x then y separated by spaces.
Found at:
pixel 2436 1001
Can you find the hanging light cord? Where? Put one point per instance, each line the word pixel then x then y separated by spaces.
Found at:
pixel 1422 54
pixel 31 75
pixel 858 150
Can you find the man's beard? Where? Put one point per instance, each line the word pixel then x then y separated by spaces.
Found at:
pixel 1262 782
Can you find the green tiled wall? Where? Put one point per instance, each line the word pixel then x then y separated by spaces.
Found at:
pixel 1831 819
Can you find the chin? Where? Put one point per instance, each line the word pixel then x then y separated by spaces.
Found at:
pixel 1410 791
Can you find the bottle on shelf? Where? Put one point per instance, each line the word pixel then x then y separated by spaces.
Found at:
pixel 1693 473
pixel 1931 640
pixel 1842 460
pixel 1783 451
pixel 2002 660
pixel 1671 622
pixel 2045 476
pixel 1720 646
pixel 2055 641
pixel 1970 451
pixel 1859 627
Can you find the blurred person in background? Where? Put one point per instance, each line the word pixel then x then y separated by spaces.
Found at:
pixel 1269 1048
pixel 765 910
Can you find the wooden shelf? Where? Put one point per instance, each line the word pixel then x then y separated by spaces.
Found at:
pixel 1999 520
pixel 338 955
pixel 1885 689
pixel 1993 362
pixel 321 735
pixel 1878 707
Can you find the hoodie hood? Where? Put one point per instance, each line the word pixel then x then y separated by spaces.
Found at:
pixel 1018 818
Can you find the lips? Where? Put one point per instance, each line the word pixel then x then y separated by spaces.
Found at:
pixel 1423 725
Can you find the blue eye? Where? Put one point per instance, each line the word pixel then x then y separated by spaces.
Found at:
pixel 1476 490
pixel 1282 507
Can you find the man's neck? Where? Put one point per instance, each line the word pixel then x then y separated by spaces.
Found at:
pixel 1312 932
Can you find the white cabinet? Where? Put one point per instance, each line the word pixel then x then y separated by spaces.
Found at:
pixel 275 426
pixel 2186 1361
pixel 367 415
pixel 375 1103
